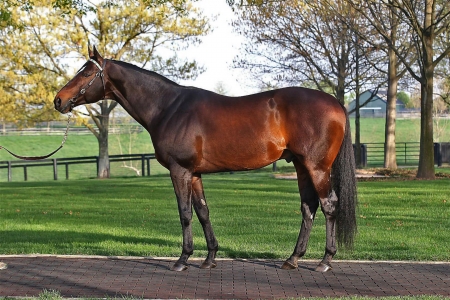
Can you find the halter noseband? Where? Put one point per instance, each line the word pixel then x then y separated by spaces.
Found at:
pixel 73 100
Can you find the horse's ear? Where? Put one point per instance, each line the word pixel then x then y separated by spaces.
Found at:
pixel 96 55
pixel 91 53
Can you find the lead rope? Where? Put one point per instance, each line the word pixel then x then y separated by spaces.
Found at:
pixel 45 156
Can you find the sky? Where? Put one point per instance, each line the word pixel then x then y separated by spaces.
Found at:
pixel 217 51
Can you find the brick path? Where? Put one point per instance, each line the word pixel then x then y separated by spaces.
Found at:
pixel 237 279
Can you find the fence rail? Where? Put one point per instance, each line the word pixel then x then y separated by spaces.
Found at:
pixel 124 129
pixel 407 153
pixel 66 162
pixel 373 156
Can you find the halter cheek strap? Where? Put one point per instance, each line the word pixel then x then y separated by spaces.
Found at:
pixel 73 100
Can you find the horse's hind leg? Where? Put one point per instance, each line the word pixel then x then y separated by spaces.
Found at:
pixel 202 212
pixel 309 205
pixel 329 205
pixel 329 209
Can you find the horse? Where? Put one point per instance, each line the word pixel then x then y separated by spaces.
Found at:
pixel 195 131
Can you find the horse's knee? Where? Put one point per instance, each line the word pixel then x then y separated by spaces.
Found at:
pixel 186 218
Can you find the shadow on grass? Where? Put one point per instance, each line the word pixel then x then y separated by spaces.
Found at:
pixel 73 242
pixel 87 241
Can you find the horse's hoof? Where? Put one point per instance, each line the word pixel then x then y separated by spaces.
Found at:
pixel 178 267
pixel 323 268
pixel 289 266
pixel 208 265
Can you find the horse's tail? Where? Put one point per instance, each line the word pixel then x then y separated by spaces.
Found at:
pixel 344 185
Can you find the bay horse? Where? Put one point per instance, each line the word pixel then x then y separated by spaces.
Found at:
pixel 196 131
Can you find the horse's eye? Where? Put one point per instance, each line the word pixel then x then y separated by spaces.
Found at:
pixel 85 74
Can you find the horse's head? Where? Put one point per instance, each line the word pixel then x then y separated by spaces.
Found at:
pixel 87 86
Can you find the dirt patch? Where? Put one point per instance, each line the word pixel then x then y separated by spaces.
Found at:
pixel 375 173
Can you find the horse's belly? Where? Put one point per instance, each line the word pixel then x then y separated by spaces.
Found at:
pixel 239 156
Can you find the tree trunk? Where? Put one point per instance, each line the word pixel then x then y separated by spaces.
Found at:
pixel 341 75
pixel 357 110
pixel 102 137
pixel 390 157
pixel 426 156
pixel 357 132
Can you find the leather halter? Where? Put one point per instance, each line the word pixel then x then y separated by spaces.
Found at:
pixel 73 100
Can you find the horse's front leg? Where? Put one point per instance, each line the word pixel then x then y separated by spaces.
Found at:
pixel 182 183
pixel 201 209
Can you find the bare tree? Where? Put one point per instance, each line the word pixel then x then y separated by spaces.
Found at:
pixel 295 42
pixel 429 20
pixel 388 27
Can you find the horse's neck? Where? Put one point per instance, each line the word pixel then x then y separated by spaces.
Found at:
pixel 143 96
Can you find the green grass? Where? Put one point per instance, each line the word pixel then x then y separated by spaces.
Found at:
pixel 76 145
pixel 253 215
pixel 407 130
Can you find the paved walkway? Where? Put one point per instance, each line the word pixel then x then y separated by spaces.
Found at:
pixel 232 279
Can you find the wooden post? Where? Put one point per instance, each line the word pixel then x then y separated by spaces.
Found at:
pixel 25 173
pixel 55 169
pixel 9 171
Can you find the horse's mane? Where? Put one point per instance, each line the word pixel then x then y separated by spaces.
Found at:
pixel 143 71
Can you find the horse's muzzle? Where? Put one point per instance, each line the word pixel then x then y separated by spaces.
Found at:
pixel 62 108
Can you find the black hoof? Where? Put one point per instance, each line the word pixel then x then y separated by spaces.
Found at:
pixel 208 265
pixel 289 265
pixel 178 267
pixel 323 268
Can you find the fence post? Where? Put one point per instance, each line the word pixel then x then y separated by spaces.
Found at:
pixel 9 171
pixel 25 173
pixel 274 166
pixel 437 154
pixel 363 148
pixel 67 171
pixel 364 155
pixel 405 152
pixel 148 166
pixel 143 165
pixel 97 159
pixel 55 169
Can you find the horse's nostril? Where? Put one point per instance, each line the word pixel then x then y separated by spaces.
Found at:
pixel 58 102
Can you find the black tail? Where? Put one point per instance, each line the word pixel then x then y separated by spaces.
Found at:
pixel 344 185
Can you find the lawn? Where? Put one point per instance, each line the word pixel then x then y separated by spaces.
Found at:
pixel 253 215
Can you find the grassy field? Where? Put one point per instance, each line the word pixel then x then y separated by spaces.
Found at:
pixel 253 214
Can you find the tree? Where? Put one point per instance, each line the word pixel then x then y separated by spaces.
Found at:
pixel 296 41
pixel 430 22
pixel 404 98
pixel 389 28
pixel 129 30
pixel 29 73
